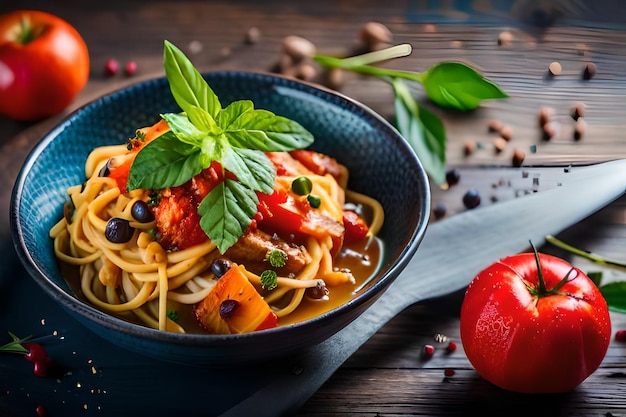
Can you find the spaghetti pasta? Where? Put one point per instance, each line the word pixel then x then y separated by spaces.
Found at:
pixel 126 267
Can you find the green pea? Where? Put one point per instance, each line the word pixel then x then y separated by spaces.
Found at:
pixel 302 185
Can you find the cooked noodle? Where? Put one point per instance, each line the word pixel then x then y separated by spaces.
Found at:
pixel 142 278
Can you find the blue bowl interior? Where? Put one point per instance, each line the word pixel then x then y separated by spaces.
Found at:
pixel 381 165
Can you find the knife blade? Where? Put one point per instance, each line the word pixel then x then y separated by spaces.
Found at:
pixel 476 238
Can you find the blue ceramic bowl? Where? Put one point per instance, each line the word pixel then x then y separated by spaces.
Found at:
pixel 381 165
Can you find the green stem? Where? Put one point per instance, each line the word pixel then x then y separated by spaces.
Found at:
pixel 360 63
pixel 587 255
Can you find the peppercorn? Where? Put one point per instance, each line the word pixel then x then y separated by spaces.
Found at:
pixel 555 68
pixel 429 350
pixel 589 71
pixel 449 372
pixel 111 67
pixel 453 176
pixel 518 157
pixel 439 210
pixel 471 199
pixel 130 68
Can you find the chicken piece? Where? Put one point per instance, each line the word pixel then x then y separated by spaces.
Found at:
pixel 252 248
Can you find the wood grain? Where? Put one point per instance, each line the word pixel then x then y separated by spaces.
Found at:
pixel 388 376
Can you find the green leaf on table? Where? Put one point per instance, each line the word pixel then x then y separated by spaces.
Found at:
pixel 423 130
pixel 615 295
pixel 456 85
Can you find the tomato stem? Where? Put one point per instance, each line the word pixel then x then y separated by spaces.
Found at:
pixel 542 290
pixel 27 33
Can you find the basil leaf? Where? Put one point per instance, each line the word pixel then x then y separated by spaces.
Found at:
pixel 226 212
pixel 252 168
pixel 456 85
pixel 184 130
pixel 259 129
pixel 164 162
pixel 422 130
pixel 188 86
pixel 614 294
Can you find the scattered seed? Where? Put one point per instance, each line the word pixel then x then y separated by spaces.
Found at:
pixel 430 28
pixel 195 47
pixel 335 78
pixel 471 199
pixel 439 211
pixel 499 144
pixel 549 130
pixel 518 157
pixel 620 335
pixel 441 338
pixel 429 350
pixel 130 68
pixel 451 346
pixel 449 372
pixel 580 129
pixel 375 33
pixel 578 111
pixel 590 71
pixel 545 115
pixel 495 125
pixel 253 35
pixel 506 133
pixel 306 71
pixel 505 38
pixel 298 48
pixel 469 147
pixel 453 176
pixel 555 68
pixel 111 67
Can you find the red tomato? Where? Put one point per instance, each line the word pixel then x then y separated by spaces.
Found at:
pixel 527 337
pixel 44 64
pixel 355 225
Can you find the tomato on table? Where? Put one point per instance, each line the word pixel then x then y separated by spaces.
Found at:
pixel 533 323
pixel 44 64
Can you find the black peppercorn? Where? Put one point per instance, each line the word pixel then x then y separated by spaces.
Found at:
pixel 471 199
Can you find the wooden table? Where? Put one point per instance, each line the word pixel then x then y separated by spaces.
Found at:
pixel 388 376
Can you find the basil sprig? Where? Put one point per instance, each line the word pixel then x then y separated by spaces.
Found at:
pixel 448 84
pixel 235 136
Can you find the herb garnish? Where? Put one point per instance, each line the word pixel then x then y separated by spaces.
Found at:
pixel 235 136
pixel 277 258
pixel 269 280
pixel 448 84
pixel 16 345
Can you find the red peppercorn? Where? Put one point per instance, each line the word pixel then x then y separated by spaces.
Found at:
pixel 449 372
pixel 620 335
pixel 111 67
pixel 38 356
pixel 41 411
pixel 429 350
pixel 451 347
pixel 130 68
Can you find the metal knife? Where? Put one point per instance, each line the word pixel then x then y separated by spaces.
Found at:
pixel 477 238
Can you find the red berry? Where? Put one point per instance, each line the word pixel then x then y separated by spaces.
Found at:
pixel 111 67
pixel 41 411
pixel 449 372
pixel 429 350
pixel 620 335
pixel 130 68
pixel 41 367
pixel 36 352
pixel 451 347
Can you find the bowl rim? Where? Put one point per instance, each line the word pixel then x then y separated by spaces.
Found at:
pixel 70 301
